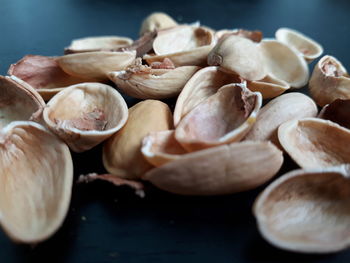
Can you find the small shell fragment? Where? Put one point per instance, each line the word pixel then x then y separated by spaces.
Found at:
pixel 84 115
pixel 329 81
pixel 269 86
pixel 224 169
pixel 44 74
pixel 156 21
pixel 238 55
pixel 202 85
pixel 19 101
pixel 338 111
pixel 313 142
pixel 122 155
pixel 225 117
pixel 35 181
pixel 161 147
pixel 307 210
pixel 284 63
pixel 100 43
pixel 286 107
pixel 143 82
pixel 309 48
pixel 95 65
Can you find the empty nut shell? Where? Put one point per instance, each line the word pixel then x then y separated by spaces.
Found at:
pixel 156 21
pixel 269 86
pixel 338 111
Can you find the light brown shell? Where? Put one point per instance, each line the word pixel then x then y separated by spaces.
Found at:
pixel 255 36
pixel 307 210
pixel 284 63
pixel 307 47
pixel 151 83
pixel 19 101
pixel 238 55
pixel 43 74
pixel 35 181
pixel 329 81
pixel 185 45
pixel 100 43
pixel 338 111
pixel 161 147
pixel 224 169
pixel 156 21
pixel 86 114
pixel 286 107
pixel 122 155
pixel 313 142
pixel 95 65
pixel 225 117
pixel 202 85
pixel 269 86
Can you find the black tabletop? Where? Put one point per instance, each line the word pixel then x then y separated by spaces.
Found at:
pixel 109 224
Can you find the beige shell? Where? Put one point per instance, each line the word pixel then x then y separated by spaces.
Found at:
pixel 147 83
pixel 225 117
pixel 44 74
pixel 224 169
pixel 286 107
pixel 185 45
pixel 307 210
pixel 89 44
pixel 313 142
pixel 338 111
pixel 35 182
pixel 329 81
pixel 202 85
pixel 269 86
pixel 95 65
pixel 156 21
pixel 307 47
pixel 255 36
pixel 122 155
pixel 18 101
pixel 284 63
pixel 84 115
pixel 161 147
pixel 238 55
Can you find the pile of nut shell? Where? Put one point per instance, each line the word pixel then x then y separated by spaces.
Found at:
pixel 221 138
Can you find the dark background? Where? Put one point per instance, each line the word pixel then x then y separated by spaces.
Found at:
pixel 109 224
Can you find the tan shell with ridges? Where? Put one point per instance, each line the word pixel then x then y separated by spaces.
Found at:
pixel 313 142
pixel 35 181
pixel 307 210
pixel 329 81
pixel 224 169
pixel 122 155
pixel 202 85
pixel 84 115
pixel 225 117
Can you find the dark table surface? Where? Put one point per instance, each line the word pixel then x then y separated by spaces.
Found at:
pixel 109 224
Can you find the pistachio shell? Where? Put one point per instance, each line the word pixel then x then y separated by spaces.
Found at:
pixel 313 142
pixel 35 181
pixel 146 83
pixel 290 106
pixel 142 45
pixel 156 21
pixel 84 115
pixel 161 147
pixel 255 36
pixel 89 44
pixel 202 85
pixel 225 117
pixel 269 86
pixel 284 63
pixel 238 55
pixel 307 47
pixel 224 169
pixel 338 111
pixel 329 81
pixel 122 155
pixel 95 65
pixel 18 101
pixel 307 210
pixel 44 74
